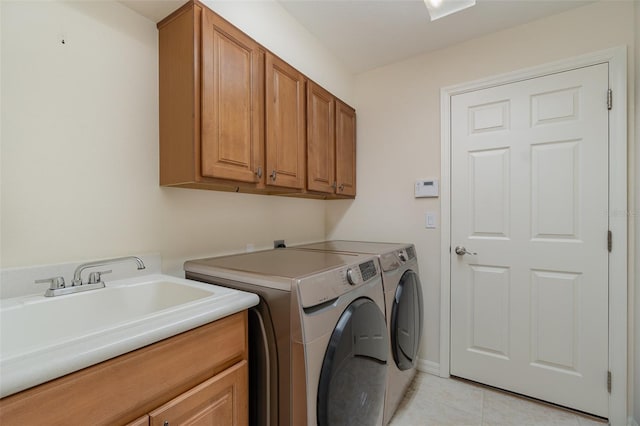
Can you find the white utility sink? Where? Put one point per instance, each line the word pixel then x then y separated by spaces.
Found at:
pixel 42 338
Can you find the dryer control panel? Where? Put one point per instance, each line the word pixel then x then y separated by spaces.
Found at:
pixel 329 285
pixel 395 259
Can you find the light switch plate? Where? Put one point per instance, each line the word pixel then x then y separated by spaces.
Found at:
pixel 430 220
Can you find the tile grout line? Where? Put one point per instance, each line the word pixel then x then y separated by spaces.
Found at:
pixel 482 407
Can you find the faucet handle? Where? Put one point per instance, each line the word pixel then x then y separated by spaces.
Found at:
pixel 54 282
pixel 95 277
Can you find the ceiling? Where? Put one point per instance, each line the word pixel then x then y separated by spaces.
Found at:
pixel 366 34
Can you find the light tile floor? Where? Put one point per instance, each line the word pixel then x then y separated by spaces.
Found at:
pixel 432 401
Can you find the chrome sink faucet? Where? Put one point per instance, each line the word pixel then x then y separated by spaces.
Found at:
pixel 57 285
pixel 94 277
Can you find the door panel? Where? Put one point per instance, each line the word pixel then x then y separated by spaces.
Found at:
pixel 489 310
pixel 489 192
pixel 555 182
pixel 529 312
pixel 555 320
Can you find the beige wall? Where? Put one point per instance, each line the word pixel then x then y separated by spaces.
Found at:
pixel 399 128
pixel 80 141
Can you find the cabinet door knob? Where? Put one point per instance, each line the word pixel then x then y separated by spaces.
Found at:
pixel 341 187
pixel 334 185
pixel 273 175
pixel 166 423
pixel 259 172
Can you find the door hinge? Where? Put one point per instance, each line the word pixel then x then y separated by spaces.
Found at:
pixel 609 241
pixel 609 381
pixel 609 99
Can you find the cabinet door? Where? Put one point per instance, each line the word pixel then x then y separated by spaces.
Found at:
pixel 285 123
pixel 142 421
pixel 221 401
pixel 232 99
pixel 345 149
pixel 321 148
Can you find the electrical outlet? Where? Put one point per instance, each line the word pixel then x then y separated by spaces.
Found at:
pixel 278 244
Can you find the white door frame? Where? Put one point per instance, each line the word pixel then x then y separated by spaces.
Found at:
pixel 617 60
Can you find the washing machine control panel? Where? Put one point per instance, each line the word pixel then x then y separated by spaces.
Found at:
pixel 327 286
pixel 368 270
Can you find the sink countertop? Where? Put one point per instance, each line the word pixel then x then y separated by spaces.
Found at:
pixel 31 366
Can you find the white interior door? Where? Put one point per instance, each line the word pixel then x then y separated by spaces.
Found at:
pixel 529 195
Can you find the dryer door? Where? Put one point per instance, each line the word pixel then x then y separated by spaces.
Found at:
pixel 354 370
pixel 406 321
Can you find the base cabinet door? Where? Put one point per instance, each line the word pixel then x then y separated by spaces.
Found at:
pixel 220 401
pixel 142 421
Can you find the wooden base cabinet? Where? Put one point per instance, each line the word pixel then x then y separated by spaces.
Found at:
pixel 199 377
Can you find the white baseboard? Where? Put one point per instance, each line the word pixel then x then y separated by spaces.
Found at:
pixel 632 422
pixel 430 367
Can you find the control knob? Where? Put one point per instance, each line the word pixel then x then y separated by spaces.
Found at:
pixel 352 278
pixel 402 255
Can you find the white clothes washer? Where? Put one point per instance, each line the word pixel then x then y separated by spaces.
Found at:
pixel 318 351
pixel 404 308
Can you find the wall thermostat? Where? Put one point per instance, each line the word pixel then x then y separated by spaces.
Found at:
pixel 426 188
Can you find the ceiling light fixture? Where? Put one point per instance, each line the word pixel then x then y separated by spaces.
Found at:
pixel 440 8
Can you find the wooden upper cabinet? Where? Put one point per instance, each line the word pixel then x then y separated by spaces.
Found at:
pixel 345 149
pixel 235 117
pixel 331 144
pixel 321 147
pixel 211 100
pixel 285 124
pixel 232 76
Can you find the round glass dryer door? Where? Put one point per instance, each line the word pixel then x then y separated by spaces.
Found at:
pixel 406 321
pixel 354 370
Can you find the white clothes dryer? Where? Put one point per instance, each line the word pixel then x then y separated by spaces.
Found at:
pixel 318 351
pixel 403 308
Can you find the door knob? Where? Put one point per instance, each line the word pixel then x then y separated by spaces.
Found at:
pixel 461 251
